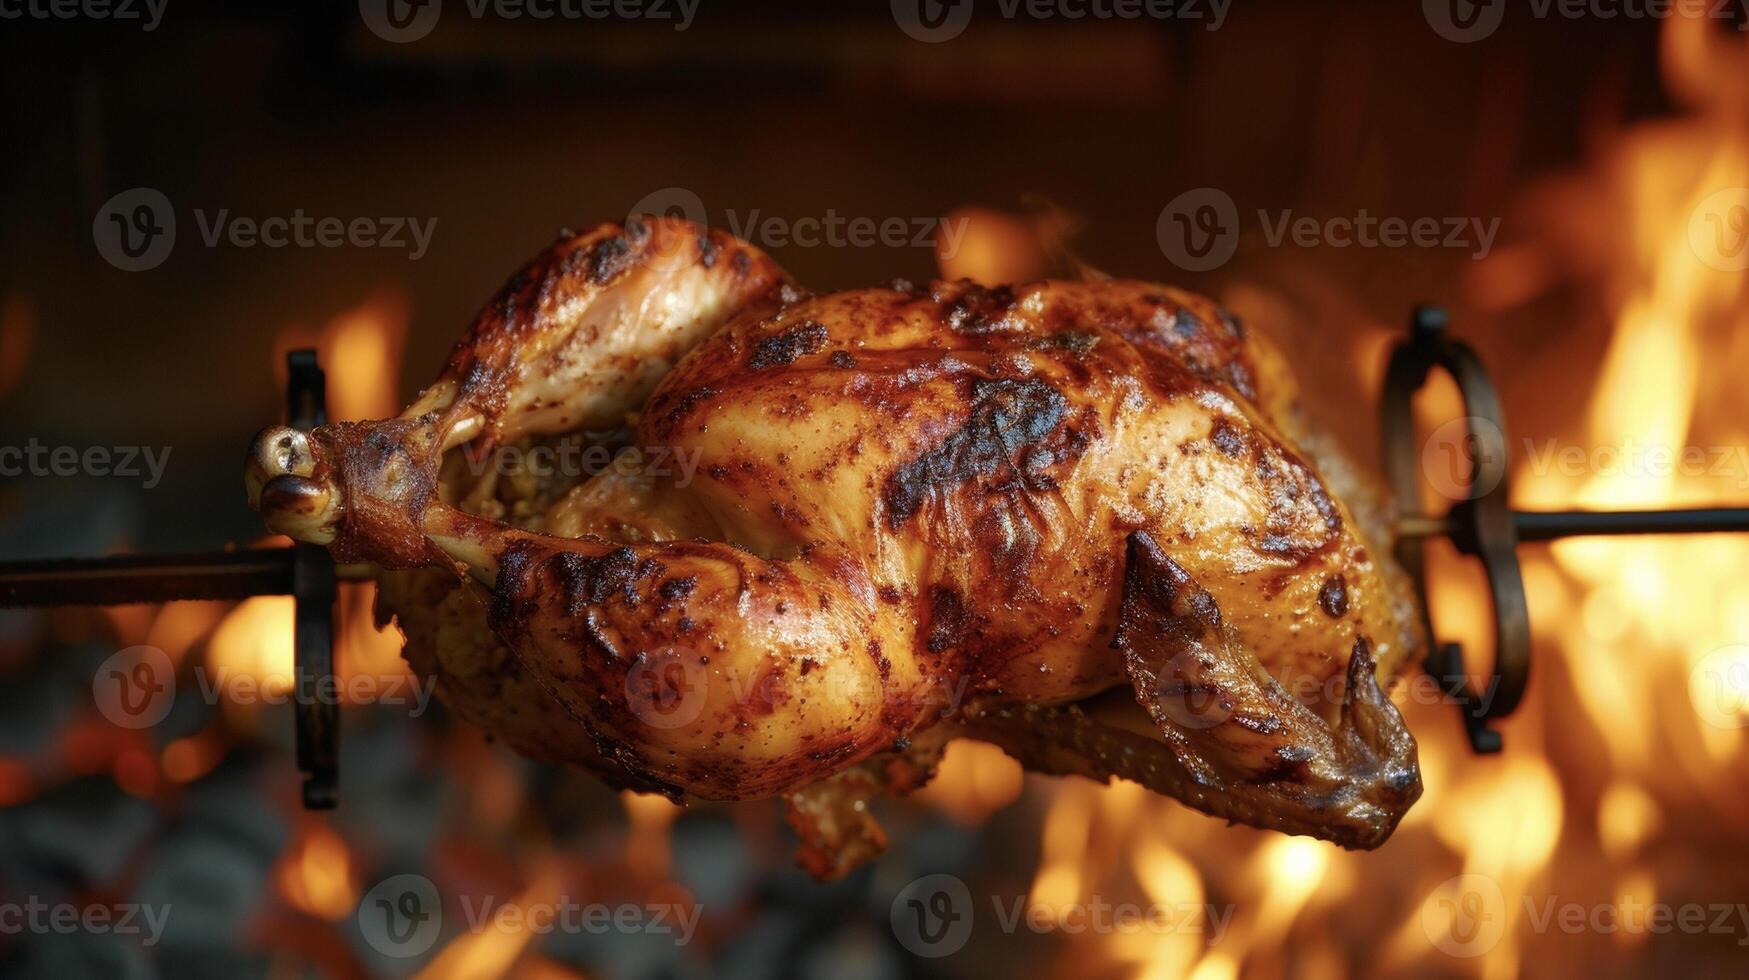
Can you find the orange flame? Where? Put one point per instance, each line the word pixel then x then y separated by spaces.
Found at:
pixel 360 350
pixel 494 951
pixel 315 875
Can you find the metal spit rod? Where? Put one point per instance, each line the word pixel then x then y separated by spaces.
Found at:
pixel 1549 525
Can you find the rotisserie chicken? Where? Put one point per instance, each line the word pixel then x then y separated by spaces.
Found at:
pixel 1082 520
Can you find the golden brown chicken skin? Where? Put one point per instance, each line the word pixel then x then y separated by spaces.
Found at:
pixel 909 505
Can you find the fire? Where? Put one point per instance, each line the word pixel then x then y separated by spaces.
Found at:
pixel 360 350
pixel 975 780
pixel 994 247
pixel 251 653
pixel 494 951
pixel 1622 625
pixel 1634 728
pixel 1169 879
pixel 316 876
pixel 362 650
pixel 178 626
pixel 254 644
pixel 1646 690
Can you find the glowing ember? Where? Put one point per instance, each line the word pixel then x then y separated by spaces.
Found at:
pixel 315 875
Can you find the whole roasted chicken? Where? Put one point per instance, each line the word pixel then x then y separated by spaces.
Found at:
pixel 1083 520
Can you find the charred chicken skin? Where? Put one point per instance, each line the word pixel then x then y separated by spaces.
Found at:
pixel 915 513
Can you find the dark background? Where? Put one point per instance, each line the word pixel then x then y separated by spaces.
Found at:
pixel 505 131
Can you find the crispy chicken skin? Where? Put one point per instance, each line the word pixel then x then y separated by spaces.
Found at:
pixel 914 511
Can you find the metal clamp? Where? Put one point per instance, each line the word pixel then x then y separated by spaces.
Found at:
pixel 318 713
pixel 302 571
pixel 1481 525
